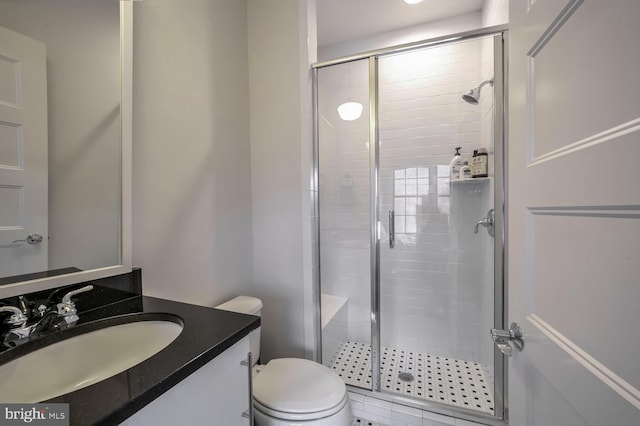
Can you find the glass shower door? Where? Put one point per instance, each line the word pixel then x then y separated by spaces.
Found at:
pixel 436 274
pixel 345 220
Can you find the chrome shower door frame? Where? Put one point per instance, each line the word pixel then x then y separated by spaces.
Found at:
pixel 374 198
pixel 499 34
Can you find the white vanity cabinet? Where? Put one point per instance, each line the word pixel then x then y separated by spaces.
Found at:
pixel 216 394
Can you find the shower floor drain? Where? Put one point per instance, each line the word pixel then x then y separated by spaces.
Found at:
pixel 435 378
pixel 405 377
pixel 357 421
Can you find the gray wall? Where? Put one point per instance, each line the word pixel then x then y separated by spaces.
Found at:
pixel 222 154
pixel 191 154
pixel 280 159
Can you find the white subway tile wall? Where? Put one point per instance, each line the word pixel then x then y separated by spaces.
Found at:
pixel 370 411
pixel 437 283
pixel 431 282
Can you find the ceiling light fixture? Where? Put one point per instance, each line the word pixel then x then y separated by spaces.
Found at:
pixel 412 1
pixel 349 110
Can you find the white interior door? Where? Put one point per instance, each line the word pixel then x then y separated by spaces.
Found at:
pixel 23 154
pixel 574 210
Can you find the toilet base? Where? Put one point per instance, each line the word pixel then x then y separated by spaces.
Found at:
pixel 344 417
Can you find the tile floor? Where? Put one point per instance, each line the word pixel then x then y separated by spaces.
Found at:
pixel 447 380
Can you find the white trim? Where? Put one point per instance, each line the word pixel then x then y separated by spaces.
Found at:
pixel 539 44
pixel 629 211
pixel 608 377
pixel 530 97
pixel 555 26
pixel 126 201
pixel 607 135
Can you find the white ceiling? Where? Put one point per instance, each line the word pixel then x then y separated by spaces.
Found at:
pixel 341 20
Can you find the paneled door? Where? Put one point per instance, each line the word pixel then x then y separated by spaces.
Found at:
pixel 23 154
pixel 574 212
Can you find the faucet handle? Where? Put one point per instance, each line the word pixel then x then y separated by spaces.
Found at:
pixel 67 309
pixel 17 318
pixel 66 299
pixel 488 222
pixel 24 305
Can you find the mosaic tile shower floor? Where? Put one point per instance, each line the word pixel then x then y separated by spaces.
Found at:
pixel 362 422
pixel 424 376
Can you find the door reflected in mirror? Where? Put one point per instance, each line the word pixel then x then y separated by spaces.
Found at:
pixel 60 137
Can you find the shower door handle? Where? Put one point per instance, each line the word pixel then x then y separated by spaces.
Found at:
pixel 392 229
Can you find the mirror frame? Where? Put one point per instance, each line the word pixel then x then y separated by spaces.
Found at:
pixel 126 168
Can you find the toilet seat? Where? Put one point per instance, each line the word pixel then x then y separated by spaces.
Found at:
pixel 299 416
pixel 298 389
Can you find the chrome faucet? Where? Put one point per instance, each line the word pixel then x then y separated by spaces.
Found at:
pixel 63 315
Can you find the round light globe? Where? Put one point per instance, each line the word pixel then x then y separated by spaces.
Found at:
pixel 350 111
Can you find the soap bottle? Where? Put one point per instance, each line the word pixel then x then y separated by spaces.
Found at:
pixel 465 171
pixel 454 166
pixel 480 164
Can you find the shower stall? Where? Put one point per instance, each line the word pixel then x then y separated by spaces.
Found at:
pixel 410 256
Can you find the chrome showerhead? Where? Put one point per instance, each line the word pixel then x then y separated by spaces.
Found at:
pixel 473 95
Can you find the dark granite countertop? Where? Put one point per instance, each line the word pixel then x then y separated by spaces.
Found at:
pixel 207 332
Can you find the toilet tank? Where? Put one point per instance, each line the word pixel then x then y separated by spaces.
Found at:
pixel 251 306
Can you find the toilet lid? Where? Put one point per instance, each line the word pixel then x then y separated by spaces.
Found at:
pixel 298 386
pixel 304 417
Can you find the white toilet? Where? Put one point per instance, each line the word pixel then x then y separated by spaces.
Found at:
pixel 292 391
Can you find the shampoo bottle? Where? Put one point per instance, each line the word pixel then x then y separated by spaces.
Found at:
pixel 479 165
pixel 465 171
pixel 454 166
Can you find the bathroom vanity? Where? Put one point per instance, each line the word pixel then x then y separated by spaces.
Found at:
pixel 202 377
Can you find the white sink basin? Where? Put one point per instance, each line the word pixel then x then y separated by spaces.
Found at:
pixel 83 360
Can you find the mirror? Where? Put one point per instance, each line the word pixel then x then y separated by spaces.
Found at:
pixel 65 142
